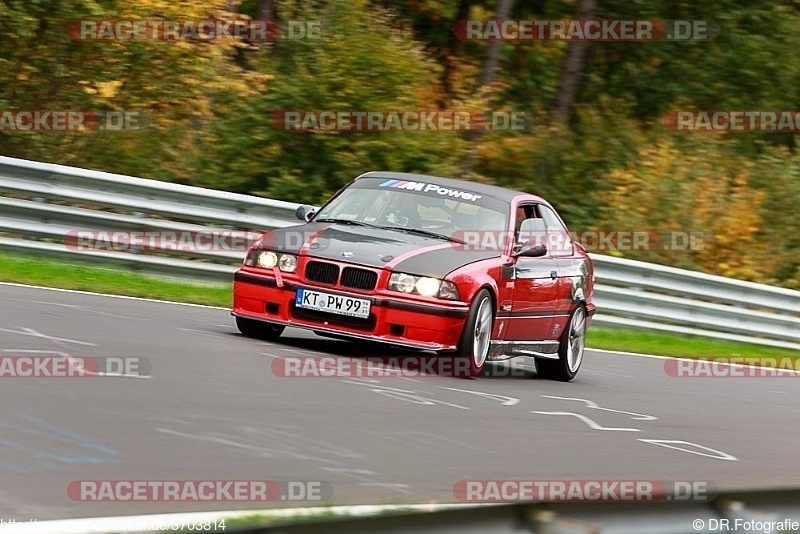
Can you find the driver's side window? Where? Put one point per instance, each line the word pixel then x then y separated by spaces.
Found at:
pixel 524 211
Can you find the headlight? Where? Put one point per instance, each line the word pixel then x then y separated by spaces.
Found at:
pixel 287 263
pixel 423 285
pixel 402 282
pixel 267 259
pixel 428 287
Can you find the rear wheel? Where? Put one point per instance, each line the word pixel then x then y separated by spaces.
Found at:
pixel 473 349
pixel 259 329
pixel 570 350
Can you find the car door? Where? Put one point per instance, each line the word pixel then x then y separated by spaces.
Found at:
pixel 536 291
pixel 568 268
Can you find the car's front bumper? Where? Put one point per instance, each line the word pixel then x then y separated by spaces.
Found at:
pixel 393 319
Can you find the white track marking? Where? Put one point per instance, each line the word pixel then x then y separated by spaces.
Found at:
pixel 409 379
pixel 402 488
pixel 424 440
pixel 363 478
pixel 589 422
pixel 202 332
pixel 375 385
pixel 362 380
pixel 308 352
pixel 290 440
pixel 32 351
pixel 122 375
pixel 504 401
pixel 624 353
pixel 414 398
pixel 108 295
pixel 98 312
pixel 672 444
pixel 58 304
pixel 591 404
pixel 58 340
pixel 357 474
pixel 211 438
pixel 405 394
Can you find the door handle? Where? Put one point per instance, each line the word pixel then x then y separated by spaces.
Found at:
pixel 553 275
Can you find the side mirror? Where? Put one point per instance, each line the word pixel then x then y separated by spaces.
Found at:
pixel 304 212
pixel 531 251
pixel 532 239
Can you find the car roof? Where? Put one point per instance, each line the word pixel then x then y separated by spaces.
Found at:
pixel 497 192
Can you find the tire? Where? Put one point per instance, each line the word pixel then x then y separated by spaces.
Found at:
pixel 570 350
pixel 259 329
pixel 473 348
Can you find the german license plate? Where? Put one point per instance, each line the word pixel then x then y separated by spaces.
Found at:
pixel 326 302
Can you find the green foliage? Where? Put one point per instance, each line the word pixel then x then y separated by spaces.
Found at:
pixel 384 69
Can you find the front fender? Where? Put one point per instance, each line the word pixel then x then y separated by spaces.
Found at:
pixel 473 277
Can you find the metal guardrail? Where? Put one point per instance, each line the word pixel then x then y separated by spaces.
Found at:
pixel 41 204
pixel 643 295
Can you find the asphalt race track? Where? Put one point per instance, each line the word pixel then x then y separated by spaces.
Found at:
pixel 213 409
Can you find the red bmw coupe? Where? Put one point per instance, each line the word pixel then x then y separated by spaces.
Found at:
pixel 423 262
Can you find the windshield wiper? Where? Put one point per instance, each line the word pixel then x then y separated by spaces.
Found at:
pixel 417 231
pixel 426 233
pixel 346 221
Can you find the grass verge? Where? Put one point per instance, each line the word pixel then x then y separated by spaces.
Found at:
pixel 33 270
pixel 679 346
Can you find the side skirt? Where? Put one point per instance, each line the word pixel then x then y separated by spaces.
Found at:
pixel 504 350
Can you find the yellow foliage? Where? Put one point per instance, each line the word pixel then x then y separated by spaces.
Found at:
pixel 694 190
pixel 110 89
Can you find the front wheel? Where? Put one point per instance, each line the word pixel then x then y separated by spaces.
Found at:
pixel 259 329
pixel 473 349
pixel 570 350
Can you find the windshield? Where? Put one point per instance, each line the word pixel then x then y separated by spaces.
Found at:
pixel 431 208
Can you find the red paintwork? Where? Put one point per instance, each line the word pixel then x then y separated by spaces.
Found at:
pixel 542 296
